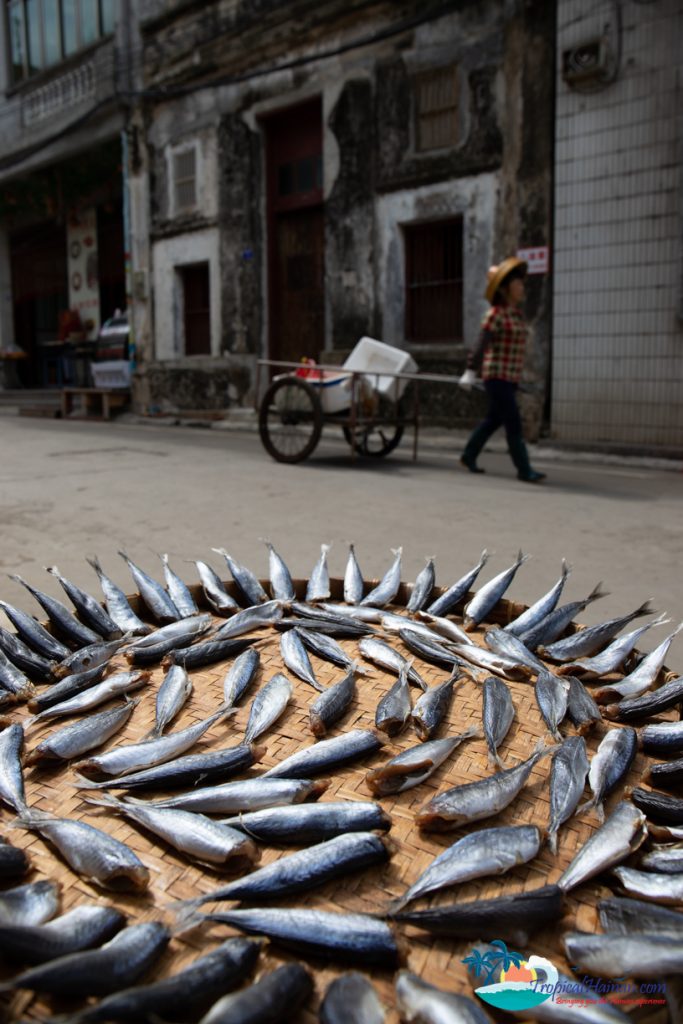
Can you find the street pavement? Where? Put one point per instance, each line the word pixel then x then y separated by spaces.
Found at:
pixel 74 489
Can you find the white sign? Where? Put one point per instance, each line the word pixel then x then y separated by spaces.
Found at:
pixel 537 258
pixel 84 290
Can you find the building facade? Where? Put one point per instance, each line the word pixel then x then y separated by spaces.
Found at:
pixel 617 350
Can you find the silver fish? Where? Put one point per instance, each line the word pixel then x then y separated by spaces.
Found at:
pixel 194 835
pixel 281 583
pixel 351 611
pixel 117 604
pixel 619 956
pixel 152 593
pixel 662 739
pixel 90 657
pixel 532 615
pixel 457 591
pixel 91 612
pixel 668 775
pixel 296 659
pixel 240 676
pixel 642 678
pixel 13 680
pixel 279 992
pixel 387 588
pixel 247 795
pixel 65 624
pixel 444 627
pixel 508 646
pixel 83 735
pixel 491 662
pixel 168 638
pixel 659 887
pixel 117 963
pixel 610 765
pixel 172 696
pixel 301 871
pixel 91 853
pixel 35 635
pixel 621 834
pixel 207 652
pixel 488 596
pixel 422 588
pixel 311 823
pixel 86 925
pixel 623 916
pixel 423 1003
pixel 384 655
pixel 431 707
pixel 318 588
pixel 334 702
pixel 11 776
pixel 666 859
pixel 327 754
pixel 552 696
pixel 29 904
pixel 555 623
pixel 178 591
pixel 332 935
pixel 249 619
pixel 351 999
pixel 131 757
pixel 245 581
pixel 412 766
pixel 353 579
pixel 611 658
pixel 14 862
pixel 214 590
pixel 190 770
pixel 659 807
pixel 567 781
pixel 582 710
pixel 39 669
pixel 112 686
pixel 590 639
pixel 327 648
pixel 474 801
pixel 393 709
pixel 67 687
pixel 490 851
pixel 267 706
pixel 498 714
pixel 392 622
pixel 649 704
pixel 430 650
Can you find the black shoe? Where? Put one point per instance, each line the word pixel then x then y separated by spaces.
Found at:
pixel 471 464
pixel 532 477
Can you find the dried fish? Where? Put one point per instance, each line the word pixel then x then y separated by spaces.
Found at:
pixel 327 648
pixel 176 636
pixel 13 862
pixel 382 654
pixel 87 925
pixel 387 588
pixel 431 707
pixel 208 652
pixel 248 586
pixel 178 591
pixel 93 696
pixel 250 619
pixel 35 635
pixel 494 663
pixel 590 639
pixel 281 583
pixel 643 677
pixel 662 739
pixel 582 710
pixel 667 775
pixel 11 776
pixel 69 686
pixel 411 767
pixel 89 657
pixel 83 735
pixel 498 714
pixel 567 781
pixel 327 755
pixel 555 623
pixel 63 622
pixel 667 859
pixel 430 650
pixel 459 590
pixel 443 627
pixel 423 1003
pixel 610 765
pixel 117 604
pixel 13 680
pixel 488 596
pixel 91 611
pixel 30 904
pixel 318 587
pixel 172 696
pixel 275 996
pixel 422 588
pixel 540 609
pixel 660 807
pixel 613 656
pixel 344 627
pixel 351 999
pixel 621 834
pixel 393 709
pixel 214 590
pixel 332 704
pixel 40 669
pixel 511 647
pixel 296 659
pixel 659 886
pixel 623 916
pixel 552 697
pixel 240 676
pixel 267 706
pixel 189 770
pixel 635 709
pixel 311 823
pixel 353 579
pixel 243 796
pixel 153 595
pixel 619 956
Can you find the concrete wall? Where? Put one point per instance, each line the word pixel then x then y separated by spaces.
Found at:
pixel 168 256
pixel 618 280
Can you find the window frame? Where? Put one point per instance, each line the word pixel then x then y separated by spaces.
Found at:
pixel 416 328
pixel 20 64
pixel 427 114
pixel 176 154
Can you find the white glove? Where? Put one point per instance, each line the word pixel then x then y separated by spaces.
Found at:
pixel 469 380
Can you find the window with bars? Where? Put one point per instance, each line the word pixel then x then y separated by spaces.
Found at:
pixel 436 109
pixel 185 180
pixel 434 281
pixel 42 33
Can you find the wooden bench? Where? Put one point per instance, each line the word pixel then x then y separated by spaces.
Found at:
pixel 92 403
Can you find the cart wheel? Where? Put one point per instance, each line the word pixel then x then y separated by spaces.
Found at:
pixel 377 439
pixel 290 420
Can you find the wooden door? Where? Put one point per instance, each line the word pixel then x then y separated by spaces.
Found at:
pixel 196 298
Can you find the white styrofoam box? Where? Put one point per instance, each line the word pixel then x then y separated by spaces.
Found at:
pixel 380 360
pixel 112 374
pixel 334 390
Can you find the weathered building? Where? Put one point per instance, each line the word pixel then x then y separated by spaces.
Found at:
pixel 618 250
pixel 308 173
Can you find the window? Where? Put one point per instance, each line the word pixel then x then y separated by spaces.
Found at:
pixel 184 180
pixel 197 309
pixel 433 253
pixel 43 33
pixel 436 109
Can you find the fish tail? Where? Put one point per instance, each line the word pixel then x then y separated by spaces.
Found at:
pixel 87 784
pixel 104 800
pixel 395 905
pixel 566 569
pixel 484 557
pixel 596 593
pixel 472 732
pixel 53 570
pixel 397 551
pixel 187 914
pixel 645 609
pixel 94 563
pixel 587 806
pixel 552 841
pixel 496 761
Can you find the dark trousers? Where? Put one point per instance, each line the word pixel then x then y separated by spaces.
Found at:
pixel 502 412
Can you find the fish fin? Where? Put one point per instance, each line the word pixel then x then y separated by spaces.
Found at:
pixel 397 551
pixel 552 842
pixel 596 593
pixel 566 569
pixel 94 563
pixel 188 917
pixel 472 732
pixel 153 734
pixel 104 800
pixel 645 609
pixel 587 806
pixel 86 784
pixel 396 905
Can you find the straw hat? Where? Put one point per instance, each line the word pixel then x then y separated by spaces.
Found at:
pixel 497 274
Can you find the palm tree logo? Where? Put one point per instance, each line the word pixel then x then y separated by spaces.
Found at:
pixel 520 990
pixel 499 958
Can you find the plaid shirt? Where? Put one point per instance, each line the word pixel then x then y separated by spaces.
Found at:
pixel 504 355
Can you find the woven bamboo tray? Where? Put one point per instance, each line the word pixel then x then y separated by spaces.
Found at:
pixel 437 960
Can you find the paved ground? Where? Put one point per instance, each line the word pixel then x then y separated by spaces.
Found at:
pixel 71 489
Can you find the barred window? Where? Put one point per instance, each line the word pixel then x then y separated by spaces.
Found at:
pixel 436 109
pixel 184 180
pixel 434 281
pixel 42 33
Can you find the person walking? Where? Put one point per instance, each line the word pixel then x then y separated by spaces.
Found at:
pixel 498 358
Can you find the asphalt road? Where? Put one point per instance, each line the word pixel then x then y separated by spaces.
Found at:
pixel 73 489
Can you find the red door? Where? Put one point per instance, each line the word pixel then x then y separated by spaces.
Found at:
pixel 296 292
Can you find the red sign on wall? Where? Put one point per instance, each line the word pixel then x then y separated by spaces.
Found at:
pixel 538 259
